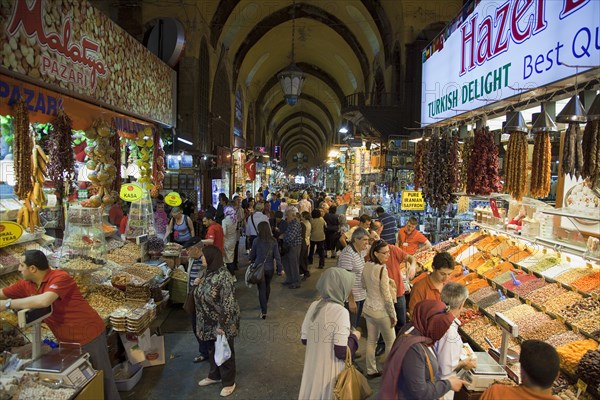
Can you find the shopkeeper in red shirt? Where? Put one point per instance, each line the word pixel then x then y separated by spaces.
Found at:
pixel 214 233
pixel 430 288
pixel 73 319
pixel 410 239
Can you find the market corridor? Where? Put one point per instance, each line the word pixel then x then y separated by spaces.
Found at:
pixel 269 355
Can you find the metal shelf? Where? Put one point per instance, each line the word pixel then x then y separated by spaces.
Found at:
pixel 566 214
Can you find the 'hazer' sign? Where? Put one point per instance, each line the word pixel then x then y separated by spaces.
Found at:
pixel 503 49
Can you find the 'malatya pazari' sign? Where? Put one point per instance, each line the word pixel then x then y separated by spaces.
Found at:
pixel 69 45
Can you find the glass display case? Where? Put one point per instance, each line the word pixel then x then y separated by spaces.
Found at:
pixel 83 236
pixel 141 218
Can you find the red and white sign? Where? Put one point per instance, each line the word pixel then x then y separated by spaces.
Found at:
pixel 250 167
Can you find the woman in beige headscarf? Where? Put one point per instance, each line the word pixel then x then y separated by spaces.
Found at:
pixel 327 324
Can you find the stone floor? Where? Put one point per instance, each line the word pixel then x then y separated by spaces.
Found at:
pixel 269 354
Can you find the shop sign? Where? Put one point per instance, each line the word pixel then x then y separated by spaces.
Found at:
pixel 505 49
pixel 80 50
pixel 413 200
pixel 10 232
pixel 173 199
pixel 131 192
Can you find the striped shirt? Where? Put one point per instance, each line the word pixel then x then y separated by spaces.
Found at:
pixel 390 228
pixel 352 261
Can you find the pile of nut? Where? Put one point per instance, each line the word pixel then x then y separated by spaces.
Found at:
pixel 503 306
pixel 530 322
pixel 482 293
pixel 542 295
pixel 528 287
pixel 10 337
pixel 102 304
pixel 80 264
pixel 516 314
pixel 589 323
pixel 125 255
pixel 556 304
pixel 561 339
pixel 121 278
pixel 144 271
pixel 545 330
pixel 581 309
pixel 573 274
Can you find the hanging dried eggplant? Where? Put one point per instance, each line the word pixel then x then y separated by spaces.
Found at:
pixel 419 166
pixel 455 164
pixel 541 165
pixel 61 165
pixel 467 148
pixel 516 165
pixel 23 146
pixel 573 158
pixel 591 151
pixel 482 175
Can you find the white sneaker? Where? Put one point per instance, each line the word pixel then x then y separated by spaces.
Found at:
pixel 227 390
pixel 234 278
pixel 208 381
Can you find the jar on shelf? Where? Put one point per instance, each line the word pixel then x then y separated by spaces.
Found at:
pixel 84 236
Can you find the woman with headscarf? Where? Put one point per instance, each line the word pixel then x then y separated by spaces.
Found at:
pixel 229 224
pixel 411 367
pixel 327 334
pixel 217 313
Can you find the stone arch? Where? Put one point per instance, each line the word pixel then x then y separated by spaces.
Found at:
pixel 221 109
pixel 204 95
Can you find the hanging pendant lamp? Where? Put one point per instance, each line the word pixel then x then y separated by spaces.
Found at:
pixel 573 112
pixel 292 78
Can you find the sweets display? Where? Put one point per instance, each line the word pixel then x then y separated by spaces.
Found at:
pixel 589 368
pixel 564 300
pixel 570 354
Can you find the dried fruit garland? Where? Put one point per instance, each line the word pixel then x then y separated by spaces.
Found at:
pixel 438 186
pixel 158 164
pixel 591 151
pixel 466 159
pixel 100 152
pixel 61 168
pixel 22 150
pixel 419 164
pixel 541 165
pixel 482 176
pixel 115 143
pixel 455 164
pixel 516 165
pixel 572 162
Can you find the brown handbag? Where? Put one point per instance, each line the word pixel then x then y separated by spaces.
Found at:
pixel 351 384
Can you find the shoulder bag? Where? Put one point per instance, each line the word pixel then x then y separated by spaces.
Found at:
pixel 391 285
pixel 257 270
pixel 350 383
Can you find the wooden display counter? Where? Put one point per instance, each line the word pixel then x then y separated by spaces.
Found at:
pixel 94 390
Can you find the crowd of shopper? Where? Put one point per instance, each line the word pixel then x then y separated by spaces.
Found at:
pixel 290 233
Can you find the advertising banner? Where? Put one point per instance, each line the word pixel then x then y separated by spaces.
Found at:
pixel 70 47
pixel 506 48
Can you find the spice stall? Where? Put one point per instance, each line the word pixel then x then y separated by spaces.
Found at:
pixel 535 263
pixel 98 93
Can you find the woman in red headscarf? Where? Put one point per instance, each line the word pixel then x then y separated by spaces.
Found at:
pixel 410 369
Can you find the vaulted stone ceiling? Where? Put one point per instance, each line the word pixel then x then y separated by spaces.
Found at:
pixel 335 45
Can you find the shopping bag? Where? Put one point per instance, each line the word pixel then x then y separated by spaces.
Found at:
pixel 351 384
pixel 222 350
pixel 257 273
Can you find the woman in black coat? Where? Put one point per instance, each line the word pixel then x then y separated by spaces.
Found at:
pixel 332 231
pixel 265 249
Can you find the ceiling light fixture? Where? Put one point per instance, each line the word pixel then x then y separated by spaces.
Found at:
pixel 182 140
pixel 343 129
pixel 292 78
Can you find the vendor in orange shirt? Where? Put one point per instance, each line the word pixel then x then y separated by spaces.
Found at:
pixel 539 368
pixel 73 320
pixel 431 286
pixel 410 239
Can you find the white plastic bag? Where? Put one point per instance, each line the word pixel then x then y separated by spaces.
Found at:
pixel 222 350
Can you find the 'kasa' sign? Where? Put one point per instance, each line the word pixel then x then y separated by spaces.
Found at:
pixel 505 48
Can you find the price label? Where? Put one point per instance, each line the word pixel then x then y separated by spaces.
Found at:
pixel 575 329
pixel 543 308
pixel 581 385
pixel 527 301
pixel 568 258
pixel 517 296
pixel 10 232
pixel 130 192
pixel 560 318
pixel 173 199
pixel 494 285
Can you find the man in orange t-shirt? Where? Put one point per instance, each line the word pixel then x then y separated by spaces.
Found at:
pixel 73 319
pixel 430 288
pixel 539 368
pixel 410 239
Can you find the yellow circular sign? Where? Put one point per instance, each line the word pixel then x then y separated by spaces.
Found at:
pixel 10 232
pixel 173 199
pixel 131 192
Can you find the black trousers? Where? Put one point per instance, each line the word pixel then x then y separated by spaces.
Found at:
pixel 225 372
pixel 264 290
pixel 320 251
pixel 304 259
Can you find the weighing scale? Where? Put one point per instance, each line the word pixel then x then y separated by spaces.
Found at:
pixel 65 366
pixel 484 375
